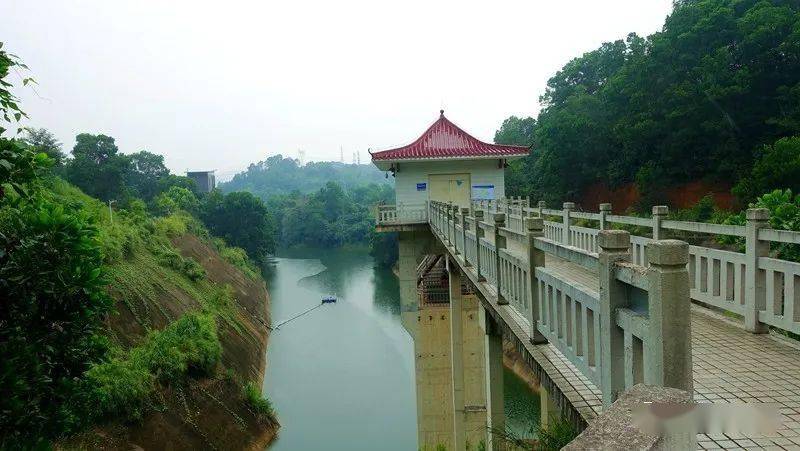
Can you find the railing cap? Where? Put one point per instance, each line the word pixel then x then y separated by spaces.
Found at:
pixel 542 204
pixel 668 252
pixel 569 205
pixel 757 214
pixel 478 214
pixel 534 224
pixel 465 211
pixel 499 218
pixel 605 207
pixel 614 240
pixel 660 210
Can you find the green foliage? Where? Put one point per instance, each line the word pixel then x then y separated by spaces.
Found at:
pixel 698 99
pixel 784 213
pixel 189 344
pixel 122 386
pixel 776 167
pixel 145 172
pixel 20 168
pixel 174 199
pixel 43 141
pixel 10 111
pixel 242 220
pixel 237 257
pixel 259 404
pixel 98 168
pixel 118 388
pixel 555 436
pixel 282 176
pixel 173 225
pixel 54 301
pixel 187 266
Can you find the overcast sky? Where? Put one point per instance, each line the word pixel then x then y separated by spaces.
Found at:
pixel 222 84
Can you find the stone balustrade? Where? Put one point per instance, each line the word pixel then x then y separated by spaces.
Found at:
pixel 614 336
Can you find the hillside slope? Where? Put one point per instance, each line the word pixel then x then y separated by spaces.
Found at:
pixel 176 270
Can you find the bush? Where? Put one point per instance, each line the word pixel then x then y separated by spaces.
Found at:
pixel 172 226
pixel 556 436
pixel 185 265
pixel 260 405
pixel 778 166
pixel 189 344
pixel 53 289
pixel 119 388
pixel 237 257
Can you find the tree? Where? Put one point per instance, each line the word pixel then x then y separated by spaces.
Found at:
pixel 697 100
pixel 242 220
pixel 41 140
pixel 174 199
pixel 146 171
pixel 777 167
pixel 98 168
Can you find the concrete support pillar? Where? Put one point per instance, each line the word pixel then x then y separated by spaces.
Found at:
pixel 566 239
pixel 755 280
pixel 493 350
pixel 605 210
pixel 614 247
pixel 660 213
pixel 535 229
pixel 478 235
pixel 499 243
pixel 457 354
pixel 670 342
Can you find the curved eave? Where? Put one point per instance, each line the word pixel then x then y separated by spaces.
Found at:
pixel 386 164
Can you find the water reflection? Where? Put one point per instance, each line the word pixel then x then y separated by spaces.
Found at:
pixel 349 376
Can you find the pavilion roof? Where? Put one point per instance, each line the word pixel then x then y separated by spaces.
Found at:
pixel 445 140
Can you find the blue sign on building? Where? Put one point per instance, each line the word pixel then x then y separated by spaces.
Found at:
pixel 422 186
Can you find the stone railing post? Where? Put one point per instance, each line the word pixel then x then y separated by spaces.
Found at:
pixel 614 247
pixel 448 216
pixel 541 205
pixel 464 214
pixel 456 220
pixel 605 210
pixel 660 213
pixel 478 235
pixel 755 291
pixel 535 229
pixel 499 243
pixel 566 239
pixel 670 340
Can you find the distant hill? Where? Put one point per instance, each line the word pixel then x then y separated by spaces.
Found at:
pixel 279 175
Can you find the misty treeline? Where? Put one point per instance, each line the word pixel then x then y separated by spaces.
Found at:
pixel 99 169
pixel 714 96
pixel 322 204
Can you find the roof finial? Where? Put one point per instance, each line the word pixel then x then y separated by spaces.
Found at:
pixel 441 113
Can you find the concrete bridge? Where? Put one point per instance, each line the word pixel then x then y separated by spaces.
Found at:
pixel 596 311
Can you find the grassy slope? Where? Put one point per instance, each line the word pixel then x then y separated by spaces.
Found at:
pixel 155 277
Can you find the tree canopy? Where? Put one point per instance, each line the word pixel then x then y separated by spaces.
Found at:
pixel 697 100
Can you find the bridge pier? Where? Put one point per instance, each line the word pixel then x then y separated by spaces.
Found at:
pixel 495 416
pixel 457 354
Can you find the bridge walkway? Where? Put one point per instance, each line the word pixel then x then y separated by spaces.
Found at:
pixel 730 365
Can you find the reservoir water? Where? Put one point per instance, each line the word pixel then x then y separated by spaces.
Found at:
pixel 342 377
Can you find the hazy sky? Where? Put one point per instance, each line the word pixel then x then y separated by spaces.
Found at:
pixel 218 85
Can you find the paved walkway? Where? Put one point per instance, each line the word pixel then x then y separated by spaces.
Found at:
pixel 731 365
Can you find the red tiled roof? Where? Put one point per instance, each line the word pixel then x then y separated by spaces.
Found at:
pixel 445 139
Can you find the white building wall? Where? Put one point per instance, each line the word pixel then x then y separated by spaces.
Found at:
pixel 482 172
